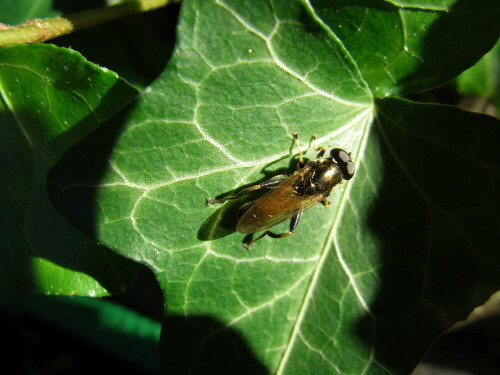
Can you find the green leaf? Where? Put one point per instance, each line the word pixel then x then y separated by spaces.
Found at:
pixel 139 48
pixel 14 12
pixel 51 98
pixel 363 286
pixel 112 328
pixel 403 47
pixel 483 79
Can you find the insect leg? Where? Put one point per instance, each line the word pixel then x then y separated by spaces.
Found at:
pixel 272 182
pixel 301 162
pixel 321 149
pixel 312 142
pixel 293 224
pixel 325 202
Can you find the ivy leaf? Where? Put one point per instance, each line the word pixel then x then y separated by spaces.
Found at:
pixel 403 47
pixel 363 286
pixel 483 79
pixel 51 98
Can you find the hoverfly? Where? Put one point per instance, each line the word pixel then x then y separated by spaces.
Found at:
pixel 290 195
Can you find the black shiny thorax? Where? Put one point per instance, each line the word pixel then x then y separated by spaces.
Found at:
pixel 319 177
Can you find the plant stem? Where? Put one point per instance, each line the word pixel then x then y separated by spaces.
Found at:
pixel 40 30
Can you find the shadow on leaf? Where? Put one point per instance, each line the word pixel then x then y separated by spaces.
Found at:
pixel 223 221
pixel 436 261
pixel 39 234
pixel 202 345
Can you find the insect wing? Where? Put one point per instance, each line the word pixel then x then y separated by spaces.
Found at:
pixel 276 206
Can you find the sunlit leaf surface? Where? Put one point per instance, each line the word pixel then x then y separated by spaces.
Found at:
pixel 363 286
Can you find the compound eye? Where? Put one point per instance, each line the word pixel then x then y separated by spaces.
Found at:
pixel 344 161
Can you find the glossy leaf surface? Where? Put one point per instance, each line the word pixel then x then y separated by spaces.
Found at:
pixel 403 47
pixel 51 98
pixel 363 286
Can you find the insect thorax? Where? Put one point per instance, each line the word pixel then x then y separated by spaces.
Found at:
pixel 320 179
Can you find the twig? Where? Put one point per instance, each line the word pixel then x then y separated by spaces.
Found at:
pixel 40 30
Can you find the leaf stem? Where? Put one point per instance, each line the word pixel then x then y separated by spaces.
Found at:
pixel 40 30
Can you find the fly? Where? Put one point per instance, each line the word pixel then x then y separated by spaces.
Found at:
pixel 290 195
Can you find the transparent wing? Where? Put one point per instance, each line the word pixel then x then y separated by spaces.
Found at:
pixel 276 206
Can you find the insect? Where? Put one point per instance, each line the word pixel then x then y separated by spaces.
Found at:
pixel 290 195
